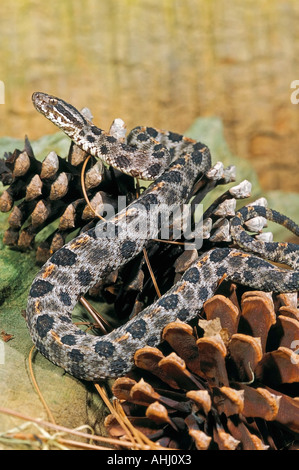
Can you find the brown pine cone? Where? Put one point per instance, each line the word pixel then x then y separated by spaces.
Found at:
pixel 228 382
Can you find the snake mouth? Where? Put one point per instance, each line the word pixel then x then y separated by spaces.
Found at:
pixel 43 102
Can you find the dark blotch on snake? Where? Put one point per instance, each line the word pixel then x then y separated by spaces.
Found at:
pixel 183 314
pixel 256 263
pixel 158 147
pixel 152 132
pixel 196 157
pixel 65 319
pixel 65 298
pixel 104 149
pixel 185 191
pixel 69 340
pixel 175 137
pixel 192 275
pixel 122 161
pixel 118 367
pixel 148 200
pixel 180 161
pixel 111 139
pixel 41 348
pixel 152 340
pixel 244 237
pixel 92 233
pixel 199 146
pixel 203 293
pixel 96 130
pixel 40 288
pixel 169 302
pixel 272 247
pixel 104 348
pixel 142 137
pixel 64 257
pixel 220 271
pixel 154 170
pixel 128 248
pixel 287 250
pixel 84 277
pixel 44 324
pixel 75 355
pixel 158 154
pixel 129 148
pixel 295 280
pixel 248 276
pixel 66 114
pixel 137 328
pixel 172 177
pixel 219 254
pixel 235 221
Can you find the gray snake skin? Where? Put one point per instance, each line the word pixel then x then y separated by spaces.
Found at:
pixel 174 163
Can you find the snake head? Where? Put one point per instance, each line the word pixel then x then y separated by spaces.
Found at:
pixel 62 114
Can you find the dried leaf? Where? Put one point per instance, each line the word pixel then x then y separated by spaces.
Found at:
pixel 6 336
pixel 211 327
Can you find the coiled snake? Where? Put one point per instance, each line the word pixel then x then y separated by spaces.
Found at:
pixel 76 267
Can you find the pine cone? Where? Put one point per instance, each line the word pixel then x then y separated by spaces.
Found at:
pixel 50 191
pixel 228 382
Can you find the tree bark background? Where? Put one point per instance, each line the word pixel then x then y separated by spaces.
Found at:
pixel 161 63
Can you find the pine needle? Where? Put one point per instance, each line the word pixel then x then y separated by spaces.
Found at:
pixel 76 432
pixel 107 402
pixel 151 272
pixel 49 413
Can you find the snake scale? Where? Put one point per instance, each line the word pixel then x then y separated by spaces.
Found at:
pixel 174 163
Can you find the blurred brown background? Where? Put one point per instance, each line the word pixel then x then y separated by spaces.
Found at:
pixel 161 63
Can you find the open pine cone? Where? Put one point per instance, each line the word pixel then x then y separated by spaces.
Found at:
pixel 228 382
pixel 40 193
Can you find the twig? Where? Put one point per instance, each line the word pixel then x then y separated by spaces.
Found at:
pixel 49 413
pixel 84 189
pixel 107 402
pixel 139 440
pixel 100 321
pixel 151 272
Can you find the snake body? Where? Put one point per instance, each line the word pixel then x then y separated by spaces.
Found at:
pixel 175 163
